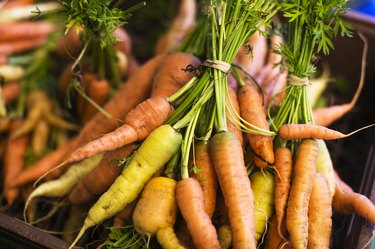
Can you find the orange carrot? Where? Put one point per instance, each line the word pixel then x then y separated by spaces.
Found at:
pixel 18 31
pixel 13 162
pixel 11 91
pixel 64 81
pixel 3 60
pixel 320 214
pixel 346 201
pixel 253 112
pixel 273 239
pixel 15 3
pixel 33 172
pixel 190 200
pixel 179 29
pixel 206 176
pixel 171 75
pixel 232 120
pixel 283 167
pixel 302 131
pixel 18 46
pixel 80 101
pixel 70 45
pixel 139 123
pixel 229 164
pixel 303 178
pixel 92 185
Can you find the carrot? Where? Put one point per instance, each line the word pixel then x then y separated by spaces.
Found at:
pixel 4 124
pixel 40 137
pixel 40 107
pixel 11 72
pixel 154 152
pixel 253 58
pixel 190 200
pixel 139 123
pixel 273 239
pixel 283 167
pixel 168 239
pixel 302 131
pixel 123 41
pixel 33 172
pixel 327 115
pixel 232 120
pixel 181 26
pixel 228 160
pixel 263 184
pixel 225 236
pixel 13 162
pixel 15 3
pixel 253 112
pixel 157 207
pixel 134 91
pixel 98 91
pixel 320 214
pixel 171 75
pixel 206 176
pixel 80 101
pixel 3 60
pixel 64 81
pixel 95 183
pixel 63 185
pixel 11 91
pixel 303 178
pixel 70 45
pixel 324 166
pixel 346 201
pixel 24 30
pixel 18 46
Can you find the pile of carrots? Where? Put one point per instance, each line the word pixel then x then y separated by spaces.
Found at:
pixel 181 151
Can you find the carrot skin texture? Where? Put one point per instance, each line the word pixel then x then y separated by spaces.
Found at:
pixel 95 183
pixel 252 111
pixel 320 214
pixel 303 131
pixel 325 116
pixel 232 124
pixel 303 178
pixel 13 162
pixel 146 161
pixel 207 176
pixel 190 200
pixel 229 164
pixel 283 166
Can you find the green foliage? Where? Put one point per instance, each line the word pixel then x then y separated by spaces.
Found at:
pixel 311 27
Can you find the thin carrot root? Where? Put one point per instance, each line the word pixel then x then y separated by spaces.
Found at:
pixel 139 123
pixel 168 239
pixel 304 131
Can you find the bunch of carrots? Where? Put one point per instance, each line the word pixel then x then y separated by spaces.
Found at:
pixel 219 148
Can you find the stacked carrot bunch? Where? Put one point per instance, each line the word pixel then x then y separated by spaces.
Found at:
pixel 188 148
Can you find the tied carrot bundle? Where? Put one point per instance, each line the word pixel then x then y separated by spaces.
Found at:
pixel 228 160
pixel 253 112
pixel 320 213
pixel 97 181
pixel 206 176
pixel 299 196
pixel 190 200
pixel 283 167
pixel 146 161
